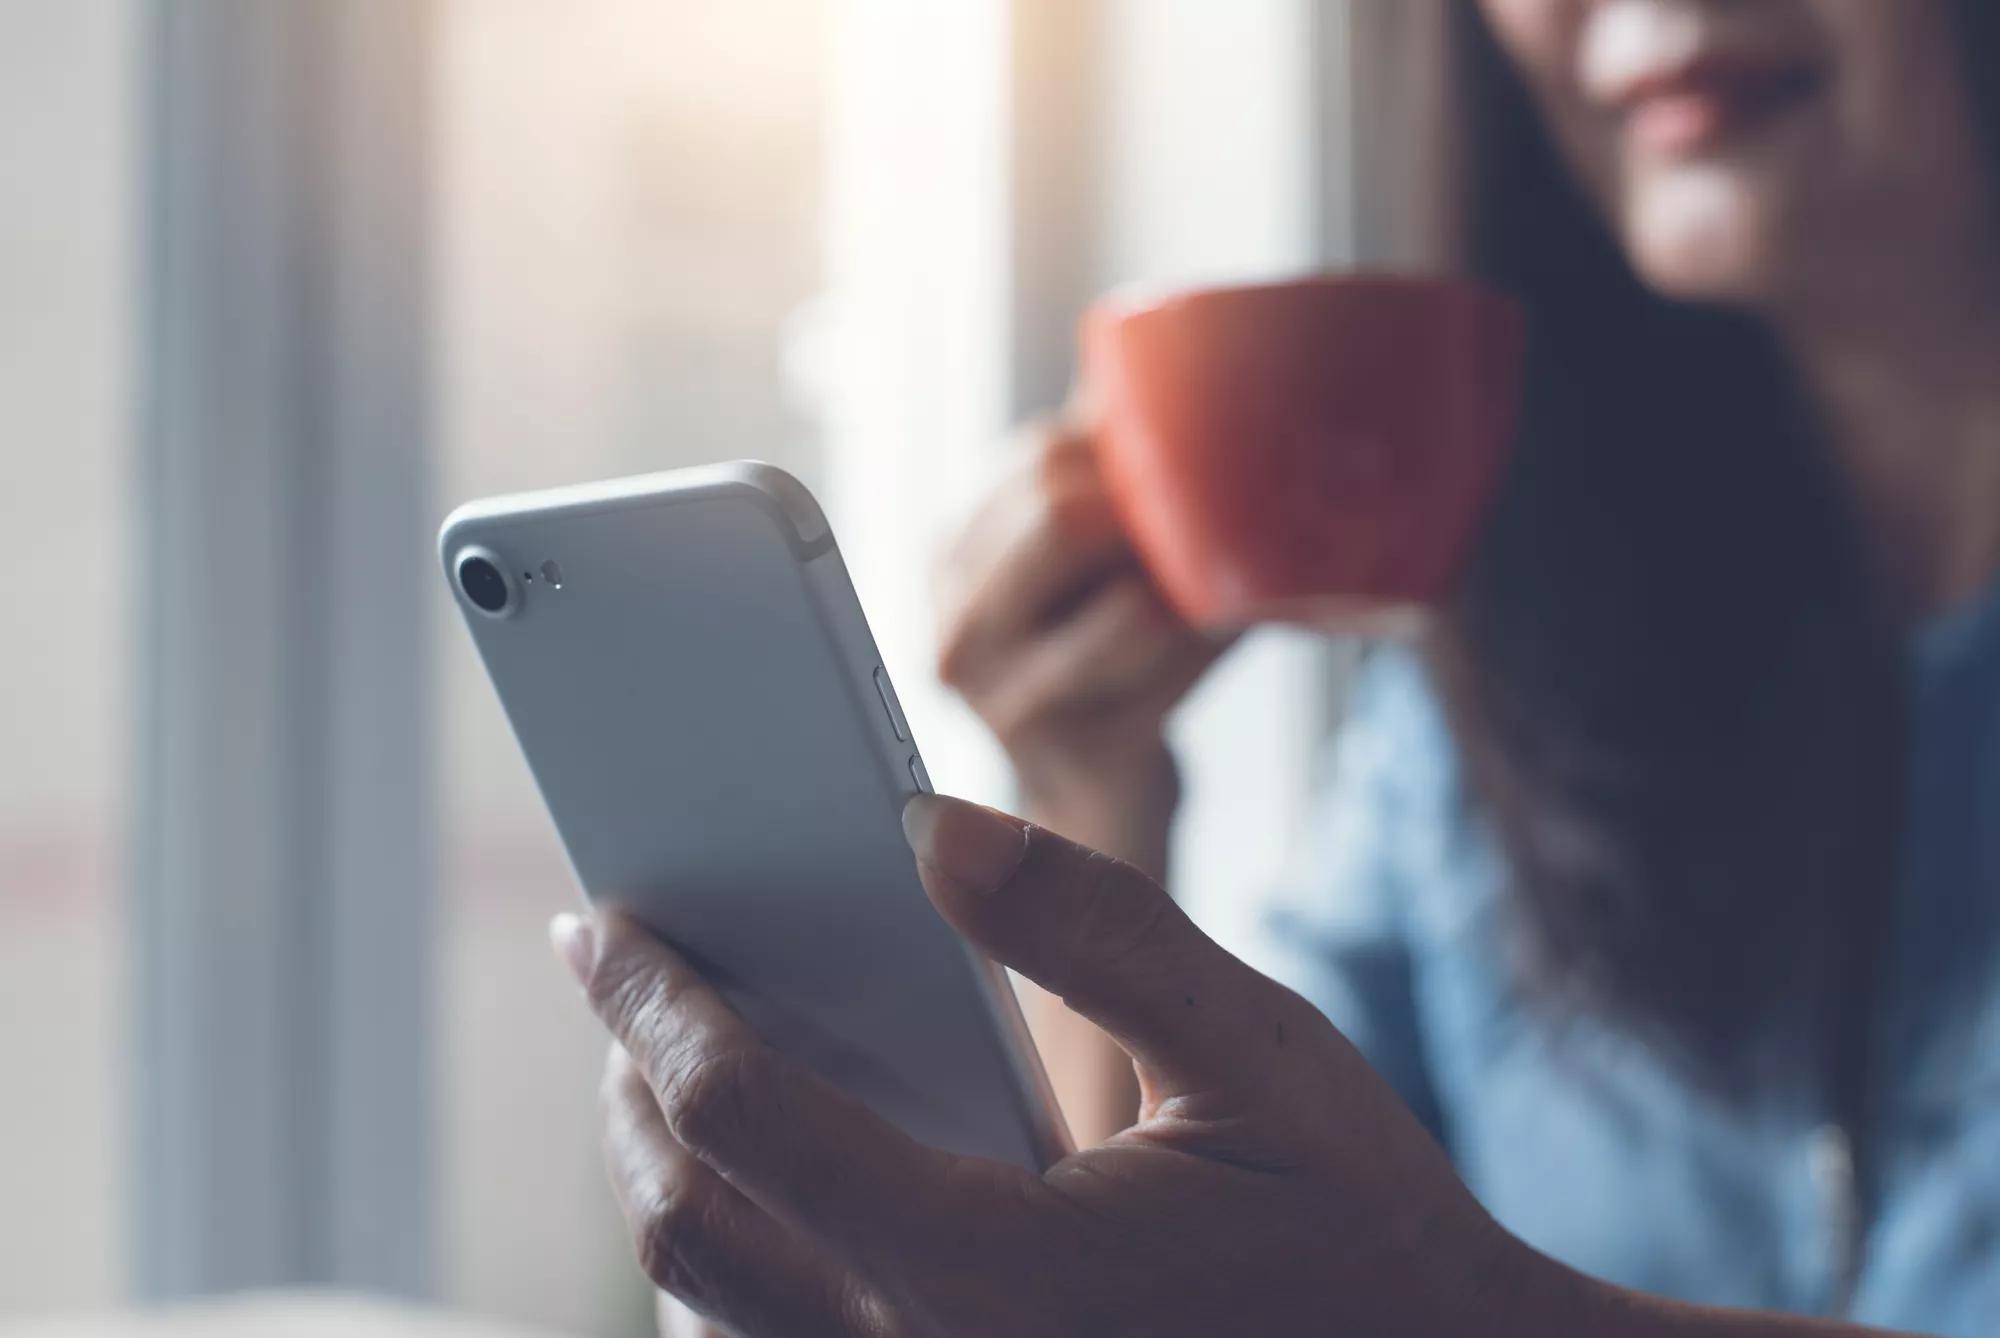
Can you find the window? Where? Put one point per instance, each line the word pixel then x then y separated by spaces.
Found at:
pixel 65 648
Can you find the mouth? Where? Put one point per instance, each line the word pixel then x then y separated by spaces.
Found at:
pixel 1704 104
pixel 1683 79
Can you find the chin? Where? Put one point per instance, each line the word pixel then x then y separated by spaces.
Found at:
pixel 1705 235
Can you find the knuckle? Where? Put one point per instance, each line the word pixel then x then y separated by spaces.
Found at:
pixel 1069 512
pixel 1058 439
pixel 675 1237
pixel 1038 508
pixel 639 1003
pixel 713 1096
pixel 954 659
pixel 1122 917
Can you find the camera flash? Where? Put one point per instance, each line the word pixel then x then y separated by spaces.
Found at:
pixel 552 574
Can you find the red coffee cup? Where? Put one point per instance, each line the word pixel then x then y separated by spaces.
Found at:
pixel 1312 451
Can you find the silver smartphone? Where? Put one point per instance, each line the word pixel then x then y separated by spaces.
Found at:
pixel 688 672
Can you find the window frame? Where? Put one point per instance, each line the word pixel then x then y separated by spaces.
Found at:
pixel 281 888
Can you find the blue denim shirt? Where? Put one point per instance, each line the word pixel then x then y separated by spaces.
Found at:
pixel 1592 1150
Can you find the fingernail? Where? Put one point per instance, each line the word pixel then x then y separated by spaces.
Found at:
pixel 574 940
pixel 975 847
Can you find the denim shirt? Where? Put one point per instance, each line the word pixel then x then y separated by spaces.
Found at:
pixel 1591 1149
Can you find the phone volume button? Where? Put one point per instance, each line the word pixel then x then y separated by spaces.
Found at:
pixel 919 775
pixel 891 706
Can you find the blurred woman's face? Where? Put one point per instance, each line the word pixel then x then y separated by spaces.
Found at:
pixel 1768 153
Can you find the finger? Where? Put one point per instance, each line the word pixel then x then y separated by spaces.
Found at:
pixel 1125 646
pixel 1068 442
pixel 797 1148
pixel 1047 551
pixel 1049 456
pixel 1038 544
pixel 1083 406
pixel 1098 933
pixel 703 1243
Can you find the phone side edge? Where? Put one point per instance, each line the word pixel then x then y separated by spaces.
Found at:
pixel 832 589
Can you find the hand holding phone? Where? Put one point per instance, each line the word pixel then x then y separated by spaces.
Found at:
pixel 687 669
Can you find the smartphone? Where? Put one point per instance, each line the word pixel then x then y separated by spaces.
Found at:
pixel 687 669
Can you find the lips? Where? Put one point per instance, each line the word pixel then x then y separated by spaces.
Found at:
pixel 1682 80
pixel 1701 106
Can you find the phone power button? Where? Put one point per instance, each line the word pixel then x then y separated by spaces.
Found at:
pixel 892 706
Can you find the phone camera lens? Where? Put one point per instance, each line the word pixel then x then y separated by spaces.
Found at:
pixel 484 584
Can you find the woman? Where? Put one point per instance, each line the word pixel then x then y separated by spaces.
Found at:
pixel 1677 676
pixel 1661 883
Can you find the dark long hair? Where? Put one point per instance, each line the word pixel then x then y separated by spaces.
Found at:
pixel 1679 703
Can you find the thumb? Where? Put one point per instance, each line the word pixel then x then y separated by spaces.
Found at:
pixel 1096 932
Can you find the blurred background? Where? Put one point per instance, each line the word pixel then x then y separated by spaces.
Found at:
pixel 284 282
